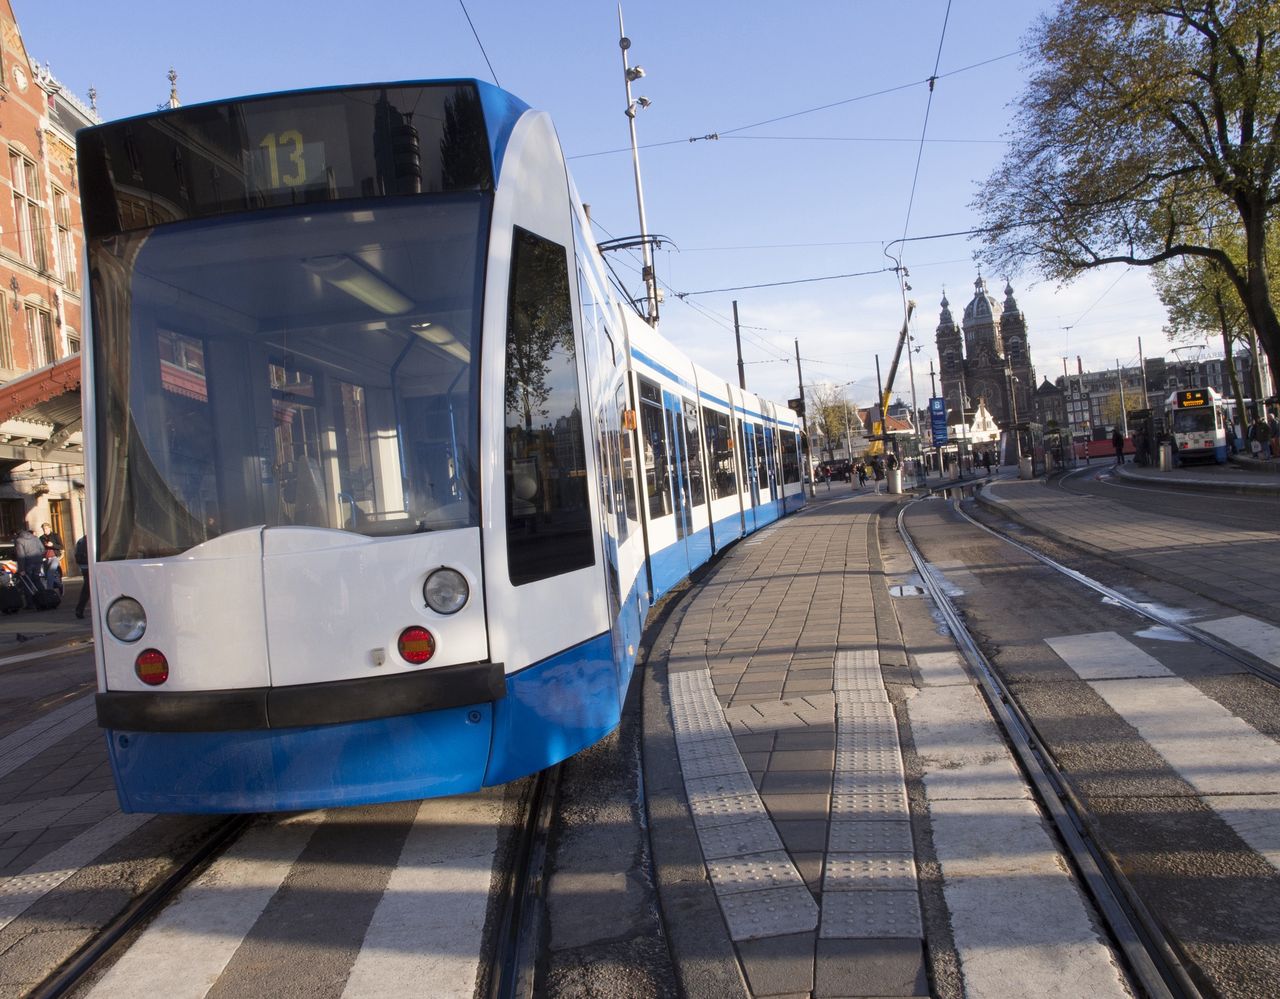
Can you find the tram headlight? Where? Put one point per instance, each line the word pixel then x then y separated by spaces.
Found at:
pixel 126 619
pixel 446 591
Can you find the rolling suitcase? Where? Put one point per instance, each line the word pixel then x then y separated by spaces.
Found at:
pixel 10 596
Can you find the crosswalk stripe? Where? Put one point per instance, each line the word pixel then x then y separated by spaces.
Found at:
pixel 1248 633
pixel 1215 752
pixel 431 917
pixel 182 953
pixel 996 855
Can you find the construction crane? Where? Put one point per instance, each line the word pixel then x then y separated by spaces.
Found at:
pixel 878 428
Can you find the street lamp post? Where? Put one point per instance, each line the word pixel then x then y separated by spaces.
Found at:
pixel 630 74
pixel 1011 380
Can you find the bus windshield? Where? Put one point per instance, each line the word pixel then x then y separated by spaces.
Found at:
pixel 304 366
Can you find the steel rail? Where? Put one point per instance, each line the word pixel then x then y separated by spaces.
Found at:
pixel 523 908
pixel 1151 958
pixel 72 971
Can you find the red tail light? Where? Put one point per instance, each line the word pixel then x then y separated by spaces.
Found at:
pixel 152 667
pixel 417 645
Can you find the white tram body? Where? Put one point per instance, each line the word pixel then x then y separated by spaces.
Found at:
pixel 383 477
pixel 1198 424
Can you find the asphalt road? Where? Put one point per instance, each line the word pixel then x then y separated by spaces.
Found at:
pixel 1218 897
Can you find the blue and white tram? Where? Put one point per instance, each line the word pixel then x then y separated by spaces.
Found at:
pixel 1198 424
pixel 383 480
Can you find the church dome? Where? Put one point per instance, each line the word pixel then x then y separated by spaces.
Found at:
pixel 945 318
pixel 984 308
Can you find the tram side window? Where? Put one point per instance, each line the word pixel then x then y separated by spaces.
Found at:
pixel 790 461
pixel 628 459
pixel 762 463
pixel 548 512
pixel 748 473
pixel 724 479
pixel 653 438
pixel 693 453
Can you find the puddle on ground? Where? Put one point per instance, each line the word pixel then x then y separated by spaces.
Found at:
pixel 906 590
pixel 943 583
pixel 1159 610
pixel 1162 634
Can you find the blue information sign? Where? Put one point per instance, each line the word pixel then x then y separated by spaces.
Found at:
pixel 938 420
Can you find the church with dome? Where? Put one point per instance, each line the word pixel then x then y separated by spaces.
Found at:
pixel 985 359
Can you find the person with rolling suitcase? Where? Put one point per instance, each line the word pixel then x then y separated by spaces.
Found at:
pixel 29 553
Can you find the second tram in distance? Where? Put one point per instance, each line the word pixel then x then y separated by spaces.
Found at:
pixel 383 476
pixel 1198 424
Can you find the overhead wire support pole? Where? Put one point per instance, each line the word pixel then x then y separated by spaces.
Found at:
pixel 808 447
pixel 630 75
pixel 737 339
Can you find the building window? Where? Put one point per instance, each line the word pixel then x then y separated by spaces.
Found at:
pixel 73 340
pixel 27 213
pixel 64 247
pixel 40 329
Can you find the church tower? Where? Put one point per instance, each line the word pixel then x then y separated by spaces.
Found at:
pixel 950 357
pixel 986 355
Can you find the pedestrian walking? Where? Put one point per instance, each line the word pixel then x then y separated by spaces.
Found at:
pixel 1117 442
pixel 986 461
pixel 1260 438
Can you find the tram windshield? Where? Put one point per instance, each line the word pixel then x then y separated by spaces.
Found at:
pixel 1194 421
pixel 306 366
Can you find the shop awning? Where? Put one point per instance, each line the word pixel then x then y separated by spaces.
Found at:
pixel 39 412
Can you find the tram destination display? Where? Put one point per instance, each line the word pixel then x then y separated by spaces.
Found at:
pixel 272 152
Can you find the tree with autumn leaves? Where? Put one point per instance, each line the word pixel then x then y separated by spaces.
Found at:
pixel 1144 129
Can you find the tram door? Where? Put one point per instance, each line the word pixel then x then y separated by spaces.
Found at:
pixel 764 474
pixel 673 410
pixel 751 492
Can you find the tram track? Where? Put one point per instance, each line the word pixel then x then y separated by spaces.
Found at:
pixel 79 966
pixel 512 941
pixel 1154 959
pixel 522 913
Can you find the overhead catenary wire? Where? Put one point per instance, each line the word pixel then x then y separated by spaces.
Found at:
pixel 463 5
pixel 813 110
pixel 924 128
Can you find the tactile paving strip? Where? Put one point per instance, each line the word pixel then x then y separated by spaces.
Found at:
pixel 774 912
pixel 870 836
pixel 739 840
pixel 869 806
pixel 711 812
pixel 869 879
pixel 761 893
pixel 720 786
pixel 869 872
pixel 870 914
pixel 764 870
pixel 867 783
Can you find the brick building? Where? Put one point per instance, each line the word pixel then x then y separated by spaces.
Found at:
pixel 41 295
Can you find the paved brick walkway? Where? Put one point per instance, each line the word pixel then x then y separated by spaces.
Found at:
pixel 791 767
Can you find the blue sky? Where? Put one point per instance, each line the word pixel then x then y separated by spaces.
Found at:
pixel 787 193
